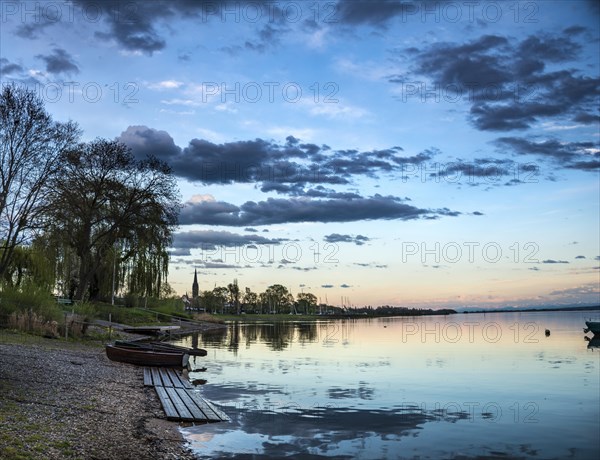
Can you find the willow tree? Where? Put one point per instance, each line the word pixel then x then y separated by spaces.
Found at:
pixel 115 213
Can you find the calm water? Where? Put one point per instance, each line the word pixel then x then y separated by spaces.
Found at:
pixel 460 386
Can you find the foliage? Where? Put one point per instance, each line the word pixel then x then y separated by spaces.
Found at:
pixel 28 298
pixel 111 210
pixel 31 145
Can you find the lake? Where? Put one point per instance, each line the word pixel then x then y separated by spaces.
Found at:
pixel 459 386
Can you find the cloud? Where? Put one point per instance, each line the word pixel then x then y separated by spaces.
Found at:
pixel 345 286
pixel 132 27
pixel 135 27
pixel 581 155
pixel 578 290
pixel 371 265
pixel 289 168
pixel 552 261
pixel 59 61
pixel 327 286
pixel 378 13
pixel 39 19
pixel 580 257
pixel 7 67
pixel 276 211
pixel 207 240
pixel 509 84
pixel 359 240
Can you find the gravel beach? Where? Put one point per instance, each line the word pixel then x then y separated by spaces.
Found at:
pixel 62 400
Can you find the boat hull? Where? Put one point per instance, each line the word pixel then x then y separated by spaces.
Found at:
pixel 146 357
pixel 160 346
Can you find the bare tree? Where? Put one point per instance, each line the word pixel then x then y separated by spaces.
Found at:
pixel 31 144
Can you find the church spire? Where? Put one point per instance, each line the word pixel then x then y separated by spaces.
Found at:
pixel 195 285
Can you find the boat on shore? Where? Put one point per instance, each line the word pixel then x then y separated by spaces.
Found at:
pixel 160 346
pixel 146 357
pixel 592 326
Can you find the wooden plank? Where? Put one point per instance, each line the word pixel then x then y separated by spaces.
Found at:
pixel 222 415
pixel 183 411
pixel 198 414
pixel 156 377
pixel 212 413
pixel 147 377
pixel 164 375
pixel 168 406
pixel 175 378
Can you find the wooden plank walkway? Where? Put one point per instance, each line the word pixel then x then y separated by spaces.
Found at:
pixel 178 398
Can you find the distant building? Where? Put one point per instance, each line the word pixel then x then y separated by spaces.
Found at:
pixel 195 289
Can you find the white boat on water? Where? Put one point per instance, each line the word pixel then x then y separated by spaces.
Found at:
pixel 593 326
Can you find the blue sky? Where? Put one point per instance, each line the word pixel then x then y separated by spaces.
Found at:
pixel 380 152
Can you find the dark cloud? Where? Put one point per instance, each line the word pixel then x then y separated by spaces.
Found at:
pixel 574 155
pixel 276 211
pixel 293 168
pixel 327 286
pixel 580 257
pixel 359 240
pixel 7 67
pixel 345 286
pixel 552 261
pixel 132 25
pixel 371 265
pixel 135 26
pixel 377 13
pixel 183 242
pixel 38 20
pixel 507 82
pixel 59 61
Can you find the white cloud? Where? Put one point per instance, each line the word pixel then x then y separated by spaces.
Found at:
pixel 165 84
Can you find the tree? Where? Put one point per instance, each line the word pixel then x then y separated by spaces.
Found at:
pixel 250 298
pixel 278 298
pixel 307 301
pixel 112 210
pixel 220 294
pixel 31 148
pixel 234 295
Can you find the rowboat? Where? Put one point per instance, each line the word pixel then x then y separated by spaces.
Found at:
pixel 144 357
pixel 593 326
pixel 160 346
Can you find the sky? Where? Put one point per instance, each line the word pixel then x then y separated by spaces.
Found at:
pixel 424 154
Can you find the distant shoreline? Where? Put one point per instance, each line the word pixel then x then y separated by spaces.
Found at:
pixel 525 310
pixel 251 317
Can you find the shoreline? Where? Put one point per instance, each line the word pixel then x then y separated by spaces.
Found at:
pixel 61 399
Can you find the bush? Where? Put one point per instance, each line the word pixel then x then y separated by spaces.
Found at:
pixel 30 299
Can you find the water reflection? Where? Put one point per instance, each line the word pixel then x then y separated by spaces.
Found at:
pixel 463 386
pixel 277 336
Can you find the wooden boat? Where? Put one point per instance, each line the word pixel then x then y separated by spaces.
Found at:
pixel 160 346
pixel 144 357
pixel 593 326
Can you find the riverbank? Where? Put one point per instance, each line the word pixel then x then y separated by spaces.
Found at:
pixel 61 400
